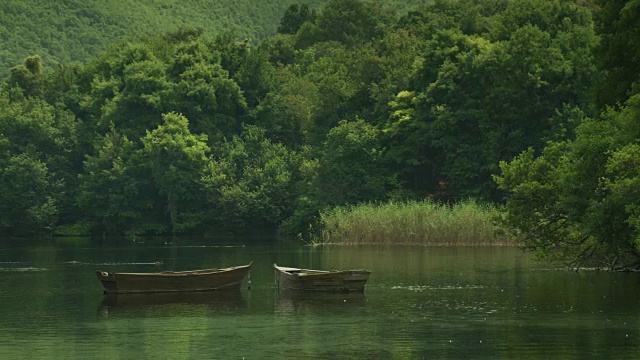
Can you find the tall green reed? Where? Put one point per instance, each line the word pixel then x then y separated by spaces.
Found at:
pixel 466 223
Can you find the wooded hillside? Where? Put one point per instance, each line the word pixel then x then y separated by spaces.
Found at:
pixel 64 31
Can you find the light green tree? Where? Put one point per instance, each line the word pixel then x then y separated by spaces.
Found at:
pixel 43 141
pixel 351 166
pixel 251 182
pixel 29 195
pixel 177 160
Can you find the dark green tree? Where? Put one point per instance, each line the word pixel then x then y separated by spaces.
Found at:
pixel 28 77
pixel 618 23
pixel 351 166
pixel 350 22
pixel 294 17
pixel 109 191
pixel 577 203
pixel 490 100
pixel 347 169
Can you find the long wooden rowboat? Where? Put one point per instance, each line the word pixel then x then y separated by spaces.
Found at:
pixel 173 281
pixel 319 280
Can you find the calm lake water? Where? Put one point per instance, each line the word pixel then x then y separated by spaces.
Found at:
pixel 420 303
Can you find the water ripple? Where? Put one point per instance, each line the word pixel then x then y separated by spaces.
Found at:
pixel 420 288
pixel 212 246
pixel 23 269
pixel 156 263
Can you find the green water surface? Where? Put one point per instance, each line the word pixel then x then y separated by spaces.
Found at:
pixel 420 303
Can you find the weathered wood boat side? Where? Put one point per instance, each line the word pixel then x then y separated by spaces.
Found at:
pixel 173 281
pixel 319 280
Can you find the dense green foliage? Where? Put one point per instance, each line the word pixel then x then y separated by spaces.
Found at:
pixel 65 31
pixel 577 200
pixel 193 130
pixel 619 53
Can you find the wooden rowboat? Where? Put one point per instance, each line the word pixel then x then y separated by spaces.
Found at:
pixel 319 280
pixel 173 281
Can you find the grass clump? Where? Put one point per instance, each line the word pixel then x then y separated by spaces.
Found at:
pixel 466 223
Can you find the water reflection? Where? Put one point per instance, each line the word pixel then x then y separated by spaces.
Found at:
pixel 292 302
pixel 171 304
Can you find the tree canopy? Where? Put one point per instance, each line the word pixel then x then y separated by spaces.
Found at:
pixel 195 130
pixel 576 200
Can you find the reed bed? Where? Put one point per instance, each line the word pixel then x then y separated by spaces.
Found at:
pixel 467 223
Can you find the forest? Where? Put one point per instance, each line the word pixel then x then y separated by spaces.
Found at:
pixel 66 31
pixel 531 105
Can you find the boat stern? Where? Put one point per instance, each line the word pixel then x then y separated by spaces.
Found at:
pixel 108 281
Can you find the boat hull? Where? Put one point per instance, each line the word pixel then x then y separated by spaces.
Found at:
pixel 178 281
pixel 315 280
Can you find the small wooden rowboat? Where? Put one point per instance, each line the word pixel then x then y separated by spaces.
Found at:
pixel 319 280
pixel 173 281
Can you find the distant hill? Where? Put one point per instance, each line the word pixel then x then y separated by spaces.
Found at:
pixel 64 31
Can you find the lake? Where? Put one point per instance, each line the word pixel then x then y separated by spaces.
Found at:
pixel 420 303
